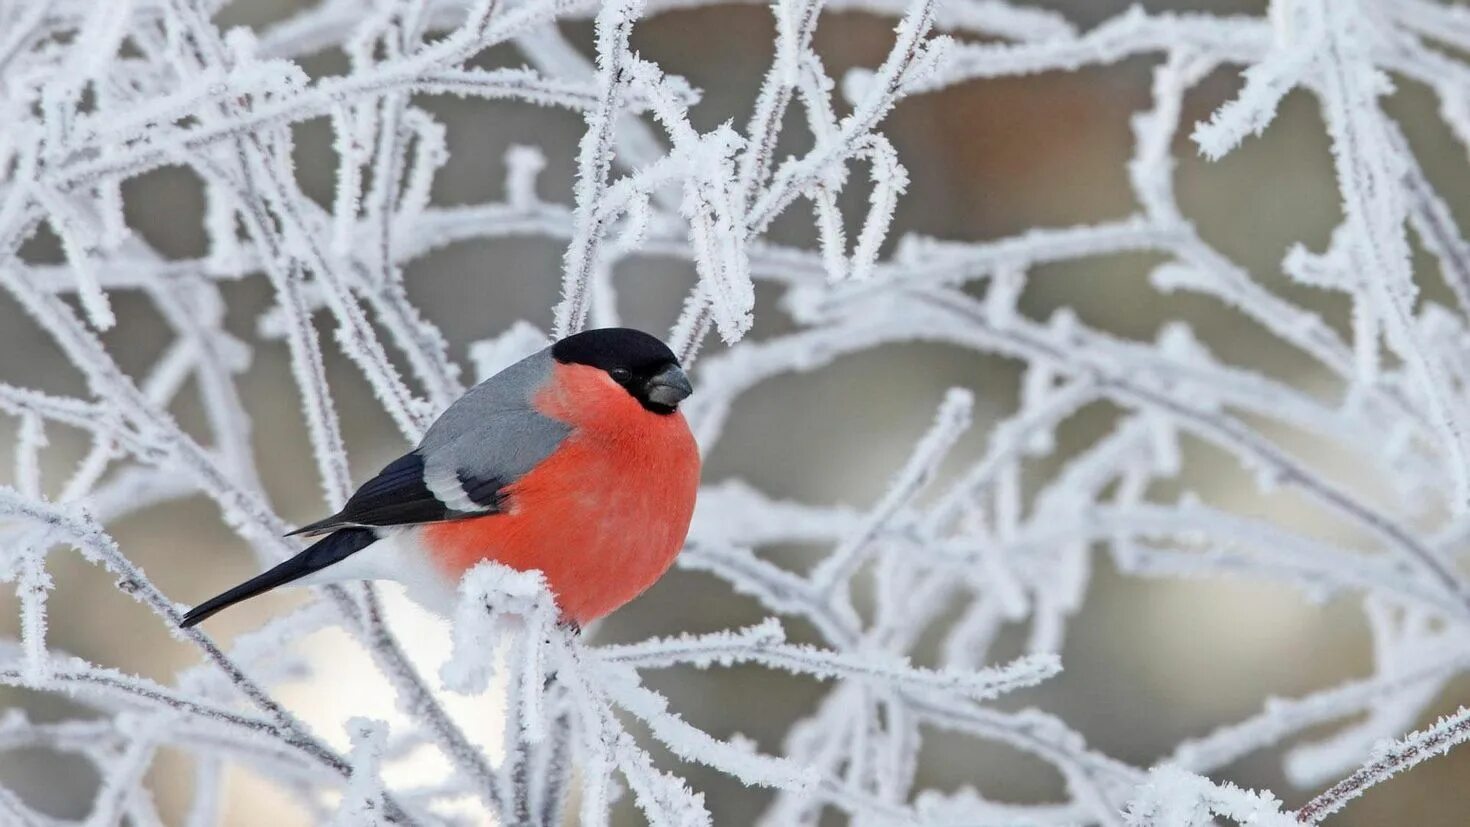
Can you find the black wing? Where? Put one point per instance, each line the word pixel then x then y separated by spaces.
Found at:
pixel 398 495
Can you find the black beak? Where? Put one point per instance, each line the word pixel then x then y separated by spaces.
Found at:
pixel 668 387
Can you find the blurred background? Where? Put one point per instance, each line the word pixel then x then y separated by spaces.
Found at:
pixel 1148 662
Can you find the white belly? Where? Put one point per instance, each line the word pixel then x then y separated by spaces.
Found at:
pixel 398 556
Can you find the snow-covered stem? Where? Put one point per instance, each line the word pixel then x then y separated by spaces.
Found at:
pixel 1390 760
pixel 594 161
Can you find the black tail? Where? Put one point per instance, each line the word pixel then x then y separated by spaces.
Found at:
pixel 330 549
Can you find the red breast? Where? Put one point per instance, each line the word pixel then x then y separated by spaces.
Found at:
pixel 604 515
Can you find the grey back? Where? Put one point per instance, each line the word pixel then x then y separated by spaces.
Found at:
pixel 494 431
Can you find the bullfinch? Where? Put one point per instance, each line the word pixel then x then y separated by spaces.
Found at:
pixel 575 461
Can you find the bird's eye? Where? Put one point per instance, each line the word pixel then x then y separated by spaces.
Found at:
pixel 621 375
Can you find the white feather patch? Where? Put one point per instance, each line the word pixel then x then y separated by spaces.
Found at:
pixel 397 555
pixel 445 487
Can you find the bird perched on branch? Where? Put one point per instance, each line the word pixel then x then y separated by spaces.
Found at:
pixel 575 461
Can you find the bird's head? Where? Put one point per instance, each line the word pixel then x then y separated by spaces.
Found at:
pixel 640 363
